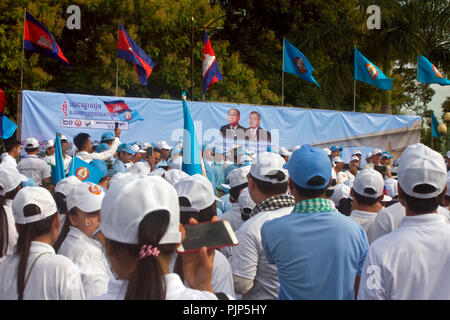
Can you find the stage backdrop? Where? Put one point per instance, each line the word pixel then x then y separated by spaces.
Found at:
pixel 44 113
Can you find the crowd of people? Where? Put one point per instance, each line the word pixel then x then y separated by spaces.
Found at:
pixel 308 224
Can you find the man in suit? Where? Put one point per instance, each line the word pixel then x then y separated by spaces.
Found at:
pixel 255 135
pixel 231 129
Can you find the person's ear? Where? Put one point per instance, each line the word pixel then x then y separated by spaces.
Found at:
pixel 183 235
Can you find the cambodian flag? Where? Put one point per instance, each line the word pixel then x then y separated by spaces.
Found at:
pixel 116 106
pixel 128 50
pixel 210 67
pixel 7 127
pixel 38 39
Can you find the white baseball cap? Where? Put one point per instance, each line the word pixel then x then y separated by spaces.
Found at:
pixel 376 151
pixel 31 143
pixel 285 152
pixel 66 185
pixel 353 158
pixel 163 145
pixel 237 177
pixel 337 159
pixel 119 176
pixel 369 155
pixel 139 167
pixel 86 196
pixel 10 178
pixel 341 191
pixel 421 165
pixel 33 195
pixel 135 148
pixel 357 152
pixel 49 144
pixel 62 138
pixel 158 172
pixel 129 200
pixel 245 201
pixel 175 175
pixel 198 190
pixel 268 163
pixel 369 183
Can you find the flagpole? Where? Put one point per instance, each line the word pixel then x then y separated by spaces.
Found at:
pixel 282 76
pixel 23 49
pixel 117 62
pixel 354 95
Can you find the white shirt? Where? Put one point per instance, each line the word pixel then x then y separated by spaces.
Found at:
pixel 34 168
pixel 388 219
pixel 249 261
pixel 54 277
pixel 233 216
pixel 175 290
pixel 8 161
pixel 391 186
pixel 344 175
pixel 410 263
pixel 222 278
pixel 105 155
pixel 12 231
pixel 87 254
pixel 51 160
pixel 364 218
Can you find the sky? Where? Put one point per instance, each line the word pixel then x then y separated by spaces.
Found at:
pixel 442 92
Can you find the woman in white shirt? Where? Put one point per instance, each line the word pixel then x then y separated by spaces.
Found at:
pixel 140 243
pixel 34 271
pixel 76 238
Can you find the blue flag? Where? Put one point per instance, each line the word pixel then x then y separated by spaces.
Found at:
pixel 428 73
pixel 367 72
pixel 434 126
pixel 7 127
pixel 85 171
pixel 130 116
pixel 191 149
pixel 296 63
pixel 58 172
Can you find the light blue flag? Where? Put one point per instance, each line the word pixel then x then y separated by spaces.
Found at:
pixel 58 172
pixel 130 116
pixel 191 149
pixel 367 72
pixel 428 73
pixel 434 126
pixel 85 171
pixel 7 127
pixel 296 63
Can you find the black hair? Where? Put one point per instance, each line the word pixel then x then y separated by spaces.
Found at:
pixel 366 200
pixel 4 228
pixel 31 150
pixel 238 112
pixel 201 216
pixel 27 233
pixel 11 143
pixel 236 191
pixel 147 280
pixel 311 193
pixel 256 112
pixel 64 229
pixel 423 205
pixel 80 140
pixel 269 188
pixel 345 206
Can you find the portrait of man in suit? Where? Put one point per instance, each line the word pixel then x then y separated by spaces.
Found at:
pixel 255 133
pixel 233 128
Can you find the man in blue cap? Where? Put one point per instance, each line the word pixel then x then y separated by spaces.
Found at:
pixel 319 253
pixel 336 151
pixel 108 138
pixel 124 156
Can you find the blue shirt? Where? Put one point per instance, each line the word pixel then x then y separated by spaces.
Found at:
pixel 118 166
pixel 318 255
pixel 219 175
pixel 225 204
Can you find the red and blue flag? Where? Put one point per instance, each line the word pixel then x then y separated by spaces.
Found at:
pixel 211 72
pixel 116 106
pixel 38 39
pixel 128 50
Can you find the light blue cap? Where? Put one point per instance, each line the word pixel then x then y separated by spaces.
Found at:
pixel 386 155
pixel 126 148
pixel 101 147
pixel 308 162
pixel 336 148
pixel 100 165
pixel 108 136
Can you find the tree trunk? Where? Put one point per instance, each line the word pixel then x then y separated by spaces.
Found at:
pixel 386 105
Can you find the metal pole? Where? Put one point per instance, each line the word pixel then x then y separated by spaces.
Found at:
pixel 192 59
pixel 23 49
pixel 117 61
pixel 282 76
pixel 354 95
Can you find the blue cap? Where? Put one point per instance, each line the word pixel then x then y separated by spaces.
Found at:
pixel 336 148
pixel 101 147
pixel 386 155
pixel 126 148
pixel 308 162
pixel 108 136
pixel 100 165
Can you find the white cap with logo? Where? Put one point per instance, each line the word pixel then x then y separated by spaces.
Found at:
pixel 422 165
pixel 163 145
pixel 237 177
pixel 86 196
pixel 267 165
pixel 66 185
pixel 10 178
pixel 245 201
pixel 38 196
pixel 49 144
pixel 369 183
pixel 175 175
pixel 31 143
pixel 198 190
pixel 340 191
pixel 337 160
pixel 129 200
